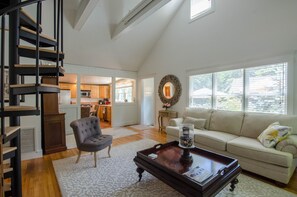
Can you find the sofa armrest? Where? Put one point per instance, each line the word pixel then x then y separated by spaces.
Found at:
pixel 175 122
pixel 288 145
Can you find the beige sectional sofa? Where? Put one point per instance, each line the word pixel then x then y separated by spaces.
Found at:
pixel 235 134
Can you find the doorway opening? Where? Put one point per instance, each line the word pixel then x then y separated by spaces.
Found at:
pixel 147 101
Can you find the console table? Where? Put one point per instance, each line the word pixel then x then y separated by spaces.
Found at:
pixel 165 113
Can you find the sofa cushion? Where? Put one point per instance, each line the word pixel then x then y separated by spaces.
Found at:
pixel 213 139
pixel 226 121
pixel 174 131
pixel 273 134
pixel 199 123
pixel 254 123
pixel 198 113
pixel 253 149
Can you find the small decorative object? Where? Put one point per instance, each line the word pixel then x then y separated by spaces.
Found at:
pixel 166 105
pixel 186 135
pixel 186 141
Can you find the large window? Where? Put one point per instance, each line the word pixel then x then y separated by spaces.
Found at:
pixel 228 90
pixel 201 91
pixel 266 89
pixel 200 8
pixel 257 89
pixel 125 90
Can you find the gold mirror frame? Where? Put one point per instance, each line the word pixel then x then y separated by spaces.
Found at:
pixel 178 89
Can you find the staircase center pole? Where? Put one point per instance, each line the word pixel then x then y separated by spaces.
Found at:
pixel 13 99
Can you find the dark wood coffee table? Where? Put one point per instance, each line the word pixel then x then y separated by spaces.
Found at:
pixel 168 168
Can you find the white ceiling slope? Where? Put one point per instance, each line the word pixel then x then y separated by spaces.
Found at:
pixel 83 12
pixel 93 46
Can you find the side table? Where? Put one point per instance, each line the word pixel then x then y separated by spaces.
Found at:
pixel 165 113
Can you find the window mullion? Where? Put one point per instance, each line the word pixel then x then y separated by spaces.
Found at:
pixel 213 103
pixel 244 103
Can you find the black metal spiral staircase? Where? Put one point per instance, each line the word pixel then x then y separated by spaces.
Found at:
pixel 22 27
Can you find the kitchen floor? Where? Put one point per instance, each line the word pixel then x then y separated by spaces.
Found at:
pixel 104 124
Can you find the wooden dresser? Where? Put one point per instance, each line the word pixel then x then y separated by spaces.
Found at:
pixel 53 122
pixel 167 114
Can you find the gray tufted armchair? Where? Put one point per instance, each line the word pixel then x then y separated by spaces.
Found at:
pixel 88 136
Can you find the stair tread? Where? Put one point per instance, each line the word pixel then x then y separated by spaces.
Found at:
pixel 10 130
pixel 19 108
pixel 44 70
pixel 32 85
pixel 6 170
pixel 33 66
pixel 6 187
pixel 41 49
pixel 8 149
pixel 34 32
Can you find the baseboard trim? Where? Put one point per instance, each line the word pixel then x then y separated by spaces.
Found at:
pixel 32 155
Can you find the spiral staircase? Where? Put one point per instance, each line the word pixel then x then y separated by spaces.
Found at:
pixel 22 36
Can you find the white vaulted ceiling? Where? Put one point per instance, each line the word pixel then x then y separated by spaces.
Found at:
pixel 88 35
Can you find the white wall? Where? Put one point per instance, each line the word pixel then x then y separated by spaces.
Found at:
pixel 119 111
pixel 238 31
pixel 93 45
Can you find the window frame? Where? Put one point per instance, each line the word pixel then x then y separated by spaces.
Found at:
pixel 203 13
pixel 133 91
pixel 291 80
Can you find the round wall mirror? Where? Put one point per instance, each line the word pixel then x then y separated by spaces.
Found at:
pixel 170 89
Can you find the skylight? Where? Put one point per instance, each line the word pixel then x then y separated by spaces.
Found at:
pixel 200 8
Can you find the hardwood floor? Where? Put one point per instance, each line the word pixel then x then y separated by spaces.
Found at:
pixel 39 178
pixel 104 124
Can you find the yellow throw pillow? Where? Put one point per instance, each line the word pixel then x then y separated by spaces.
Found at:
pixel 274 134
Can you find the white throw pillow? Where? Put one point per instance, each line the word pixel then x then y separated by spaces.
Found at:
pixel 273 134
pixel 198 123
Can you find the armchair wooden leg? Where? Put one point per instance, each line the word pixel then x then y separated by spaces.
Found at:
pixel 109 147
pixel 95 158
pixel 79 153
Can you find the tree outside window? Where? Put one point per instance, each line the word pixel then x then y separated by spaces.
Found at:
pixel 257 89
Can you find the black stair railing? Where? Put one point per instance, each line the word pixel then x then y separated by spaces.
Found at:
pixel 38 22
pixel 14 7
pixel 2 71
pixel 3 13
pixel 16 163
pixel 58 24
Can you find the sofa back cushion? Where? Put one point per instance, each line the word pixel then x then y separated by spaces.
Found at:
pixel 199 123
pixel 255 123
pixel 226 121
pixel 199 113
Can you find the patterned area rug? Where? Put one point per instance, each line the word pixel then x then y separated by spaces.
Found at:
pixel 115 132
pixel 116 176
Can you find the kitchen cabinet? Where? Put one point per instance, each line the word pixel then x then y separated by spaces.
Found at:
pixel 95 91
pixel 73 90
pixel 64 86
pixel 104 113
pixel 85 87
pixel 109 114
pixel 100 112
pixel 69 86
pixel 104 91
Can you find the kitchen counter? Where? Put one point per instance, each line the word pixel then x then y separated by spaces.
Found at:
pixel 103 105
pixel 104 112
